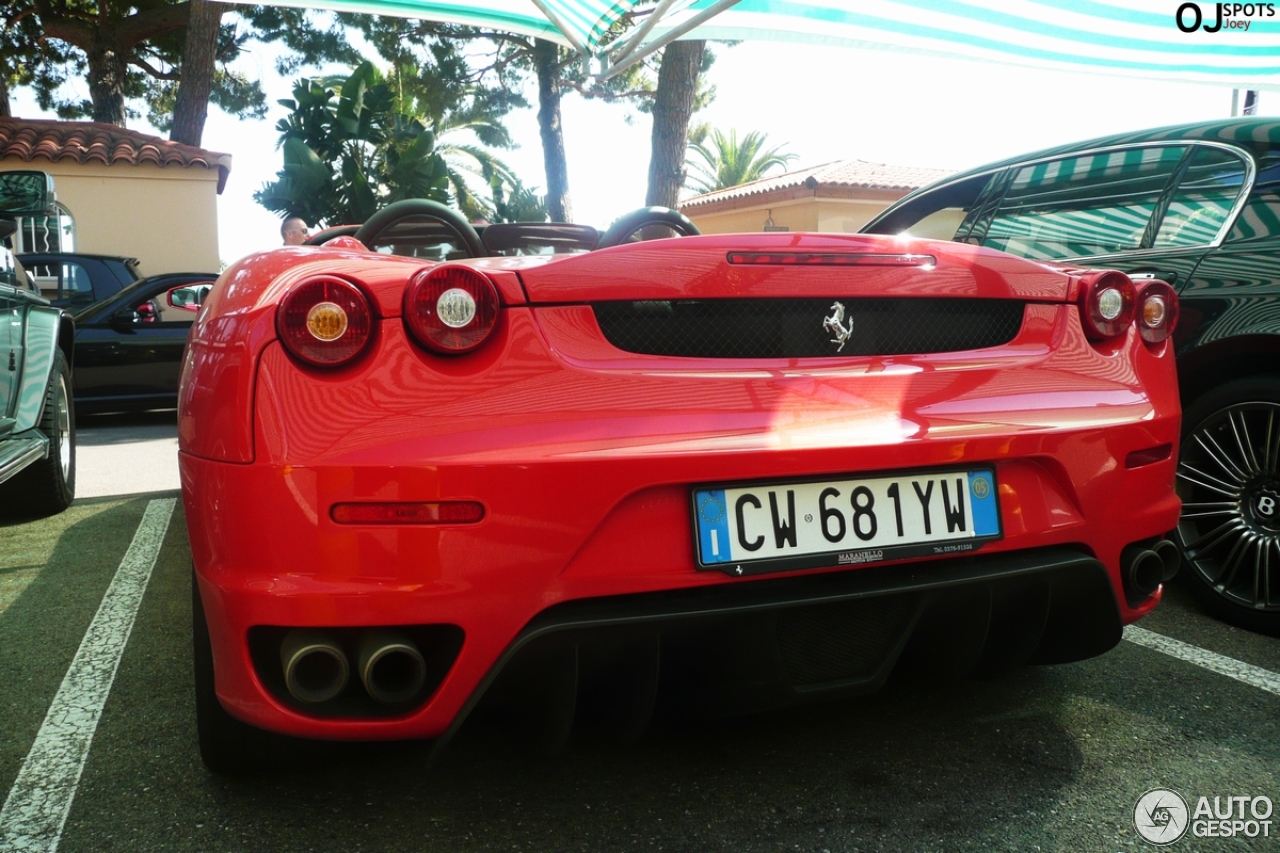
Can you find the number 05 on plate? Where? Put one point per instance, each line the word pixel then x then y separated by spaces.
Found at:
pixel 768 527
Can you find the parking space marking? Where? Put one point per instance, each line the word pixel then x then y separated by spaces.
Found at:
pixel 36 809
pixel 1254 676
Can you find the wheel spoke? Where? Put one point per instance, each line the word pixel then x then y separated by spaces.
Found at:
pixel 1244 444
pixel 1209 482
pixel 1231 565
pixel 1258 545
pixel 1267 589
pixel 1217 454
pixel 1268 461
pixel 1273 445
pixel 1211 539
pixel 1192 509
pixel 1260 563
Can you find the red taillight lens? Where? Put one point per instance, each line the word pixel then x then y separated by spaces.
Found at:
pixel 326 322
pixel 405 512
pixel 1106 304
pixel 450 309
pixel 1157 311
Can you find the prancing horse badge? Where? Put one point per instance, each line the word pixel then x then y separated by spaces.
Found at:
pixel 835 325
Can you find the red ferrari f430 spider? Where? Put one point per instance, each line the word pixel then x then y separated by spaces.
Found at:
pixel 426 467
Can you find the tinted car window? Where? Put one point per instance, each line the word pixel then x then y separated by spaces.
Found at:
pixel 1261 216
pixel 1202 201
pixel 63 280
pixel 1096 204
pixel 936 214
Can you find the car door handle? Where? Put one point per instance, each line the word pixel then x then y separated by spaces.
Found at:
pixel 1147 275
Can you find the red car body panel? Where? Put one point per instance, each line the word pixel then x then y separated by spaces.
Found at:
pixel 584 456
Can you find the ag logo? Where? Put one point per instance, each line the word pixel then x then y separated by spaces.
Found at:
pixel 1161 816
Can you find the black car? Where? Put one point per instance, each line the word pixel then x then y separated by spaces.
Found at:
pixel 75 281
pixel 1197 206
pixel 128 348
pixel 37 415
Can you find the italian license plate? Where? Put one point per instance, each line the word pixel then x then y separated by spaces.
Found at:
pixel 769 527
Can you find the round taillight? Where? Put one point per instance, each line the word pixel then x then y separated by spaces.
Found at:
pixel 326 322
pixel 1107 305
pixel 1157 312
pixel 450 309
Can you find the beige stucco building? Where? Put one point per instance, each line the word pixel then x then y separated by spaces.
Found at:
pixel 834 197
pixel 125 193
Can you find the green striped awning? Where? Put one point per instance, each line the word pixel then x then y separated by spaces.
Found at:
pixel 1139 38
pixel 574 23
pixel 1158 39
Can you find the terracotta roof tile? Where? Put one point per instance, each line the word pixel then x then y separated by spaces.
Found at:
pixel 95 142
pixel 841 173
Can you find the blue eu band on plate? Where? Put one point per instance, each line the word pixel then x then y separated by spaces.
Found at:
pixel 773 526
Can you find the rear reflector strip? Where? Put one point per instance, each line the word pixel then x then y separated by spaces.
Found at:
pixel 814 259
pixel 1150 456
pixel 404 512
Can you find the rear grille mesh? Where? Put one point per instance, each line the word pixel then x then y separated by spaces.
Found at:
pixel 793 328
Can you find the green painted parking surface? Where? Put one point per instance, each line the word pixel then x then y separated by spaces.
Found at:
pixel 53 573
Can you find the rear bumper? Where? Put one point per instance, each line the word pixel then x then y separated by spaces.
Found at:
pixel 1049 591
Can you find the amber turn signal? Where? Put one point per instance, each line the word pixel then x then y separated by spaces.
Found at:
pixel 1157 313
pixel 325 322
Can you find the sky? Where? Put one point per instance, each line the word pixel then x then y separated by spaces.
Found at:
pixel 820 103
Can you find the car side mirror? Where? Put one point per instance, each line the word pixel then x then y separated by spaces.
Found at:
pixel 188 297
pixel 125 318
pixel 25 193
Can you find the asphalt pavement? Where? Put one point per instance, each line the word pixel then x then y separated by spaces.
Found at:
pixel 126 454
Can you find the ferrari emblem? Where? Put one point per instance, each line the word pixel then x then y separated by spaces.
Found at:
pixel 835 325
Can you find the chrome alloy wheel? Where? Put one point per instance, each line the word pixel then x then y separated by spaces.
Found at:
pixel 1229 482
pixel 62 415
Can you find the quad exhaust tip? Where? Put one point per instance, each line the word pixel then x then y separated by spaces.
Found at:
pixel 1145 568
pixel 315 666
pixel 1170 555
pixel 390 666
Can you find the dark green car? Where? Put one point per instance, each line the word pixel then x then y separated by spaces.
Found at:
pixel 1197 206
pixel 37 419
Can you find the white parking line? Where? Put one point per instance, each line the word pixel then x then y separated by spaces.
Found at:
pixel 1254 676
pixel 36 810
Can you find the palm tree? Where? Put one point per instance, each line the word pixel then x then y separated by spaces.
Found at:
pixel 467 127
pixel 725 162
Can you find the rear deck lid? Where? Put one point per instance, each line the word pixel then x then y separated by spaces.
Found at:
pixel 790 266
